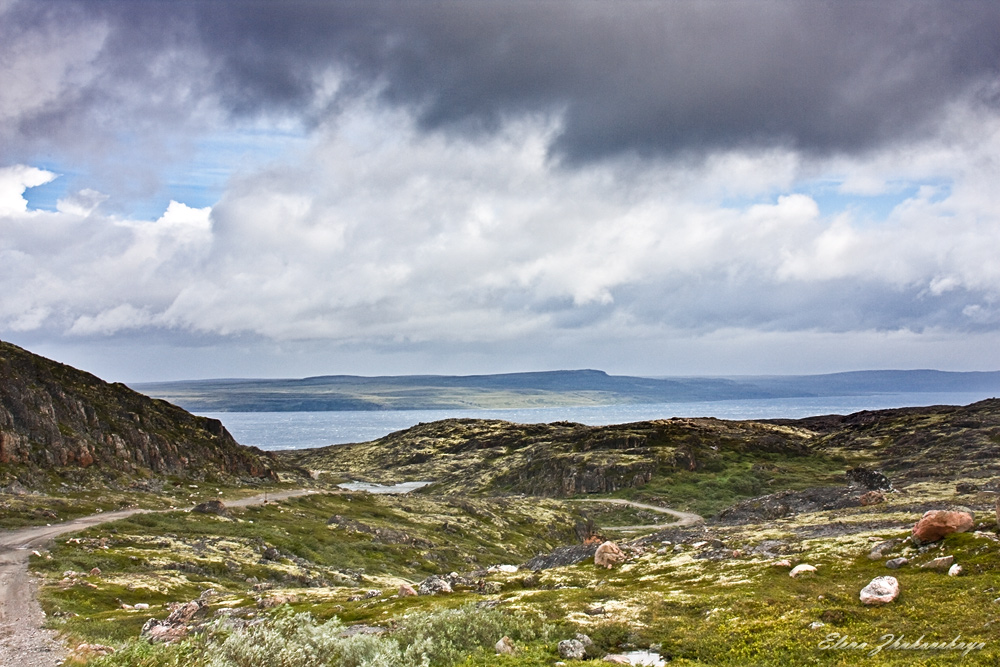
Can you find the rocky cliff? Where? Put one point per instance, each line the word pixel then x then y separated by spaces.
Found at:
pixel 53 416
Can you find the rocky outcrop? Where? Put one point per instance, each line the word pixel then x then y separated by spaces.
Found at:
pixel 872 480
pixel 786 503
pixel 54 416
pixel 562 556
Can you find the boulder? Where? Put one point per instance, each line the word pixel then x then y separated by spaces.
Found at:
pixel 871 498
pixel 406 590
pixel 881 590
pixel 936 524
pixel 868 479
pixel 95 572
pixel 505 646
pixel 572 649
pixel 896 563
pixel 608 555
pixel 175 626
pixel 802 569
pixel 940 564
pixel 213 506
pixel 185 612
pixel 879 550
pixel 434 585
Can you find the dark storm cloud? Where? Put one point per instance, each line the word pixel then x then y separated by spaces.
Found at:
pixel 645 77
pixel 650 78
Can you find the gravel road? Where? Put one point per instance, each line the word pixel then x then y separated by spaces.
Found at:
pixel 23 640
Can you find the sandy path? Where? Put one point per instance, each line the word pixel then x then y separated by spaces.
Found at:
pixel 23 640
pixel 683 518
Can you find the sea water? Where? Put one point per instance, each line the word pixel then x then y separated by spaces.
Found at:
pixel 302 430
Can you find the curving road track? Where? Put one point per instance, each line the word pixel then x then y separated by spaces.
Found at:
pixel 23 640
pixel 683 518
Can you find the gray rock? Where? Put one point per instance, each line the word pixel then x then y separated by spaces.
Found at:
pixel 879 550
pixel 505 646
pixel 896 563
pixel 572 649
pixel 434 585
pixel 940 564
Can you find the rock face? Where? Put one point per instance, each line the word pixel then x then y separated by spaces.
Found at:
pixel 881 590
pixel 936 524
pixel 608 555
pixel 55 416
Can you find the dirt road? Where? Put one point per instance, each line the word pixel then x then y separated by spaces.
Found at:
pixel 683 518
pixel 23 641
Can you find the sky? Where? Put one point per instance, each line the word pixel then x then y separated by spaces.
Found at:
pixel 194 189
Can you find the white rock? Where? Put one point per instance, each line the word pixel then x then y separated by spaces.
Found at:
pixel 955 570
pixel 509 569
pixel 802 568
pixel 881 590
pixel 141 605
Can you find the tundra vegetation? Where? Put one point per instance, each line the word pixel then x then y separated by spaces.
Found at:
pixel 324 578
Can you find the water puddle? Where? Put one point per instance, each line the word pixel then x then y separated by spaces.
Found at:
pixel 402 487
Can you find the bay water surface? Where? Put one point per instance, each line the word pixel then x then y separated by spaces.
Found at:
pixel 302 430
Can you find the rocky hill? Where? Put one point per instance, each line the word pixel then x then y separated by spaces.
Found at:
pixel 697 464
pixel 56 418
pixel 943 442
pixel 558 459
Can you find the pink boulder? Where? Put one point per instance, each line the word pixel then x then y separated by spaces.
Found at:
pixel 935 524
pixel 608 555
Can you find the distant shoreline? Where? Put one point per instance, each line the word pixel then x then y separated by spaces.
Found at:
pixel 551 389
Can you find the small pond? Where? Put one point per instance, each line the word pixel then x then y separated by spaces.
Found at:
pixel 402 487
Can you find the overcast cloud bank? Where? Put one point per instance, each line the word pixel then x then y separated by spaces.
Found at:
pixel 481 187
